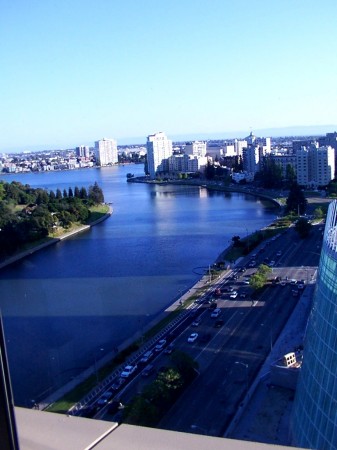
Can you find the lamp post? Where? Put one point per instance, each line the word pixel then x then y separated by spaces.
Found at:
pixel 246 371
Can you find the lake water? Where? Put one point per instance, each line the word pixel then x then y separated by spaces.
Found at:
pixel 82 297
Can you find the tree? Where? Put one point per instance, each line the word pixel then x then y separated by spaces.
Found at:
pixel 96 194
pixel 318 213
pixel 296 201
pixel 185 365
pixel 260 277
pixel 236 241
pixel 271 174
pixel 70 193
pixel 141 412
pixel 303 227
pixel 290 174
pixel 58 194
pixel 77 193
pixel 83 193
pixel 209 171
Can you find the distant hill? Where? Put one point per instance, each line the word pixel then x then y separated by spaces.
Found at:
pixel 299 130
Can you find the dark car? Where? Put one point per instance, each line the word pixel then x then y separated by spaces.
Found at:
pixel 149 369
pixel 115 406
pixel 219 323
pixel 213 305
pixel 169 349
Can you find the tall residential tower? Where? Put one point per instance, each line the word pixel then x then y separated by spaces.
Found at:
pixel 159 149
pixel 106 152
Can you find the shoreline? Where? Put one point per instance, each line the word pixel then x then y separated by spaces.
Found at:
pixel 210 186
pixel 20 255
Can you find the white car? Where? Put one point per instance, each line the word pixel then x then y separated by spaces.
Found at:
pixel 161 344
pixel 128 370
pixel 193 337
pixel 233 294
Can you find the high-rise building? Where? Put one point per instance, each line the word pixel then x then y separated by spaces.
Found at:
pixel 239 145
pixel 106 152
pixel 314 422
pixel 251 158
pixel 83 151
pixel 159 149
pixel 315 165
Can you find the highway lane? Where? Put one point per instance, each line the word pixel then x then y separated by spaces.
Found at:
pixel 211 401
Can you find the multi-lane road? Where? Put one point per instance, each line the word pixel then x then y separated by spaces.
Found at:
pixel 230 355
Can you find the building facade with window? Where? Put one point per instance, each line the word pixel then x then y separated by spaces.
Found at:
pixel 106 152
pixel 159 149
pixel 314 423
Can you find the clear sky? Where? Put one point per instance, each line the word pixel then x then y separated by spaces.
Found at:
pixel 75 71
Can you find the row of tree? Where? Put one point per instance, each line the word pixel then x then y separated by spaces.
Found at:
pixel 28 214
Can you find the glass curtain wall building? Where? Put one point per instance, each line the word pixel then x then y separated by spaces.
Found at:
pixel 315 408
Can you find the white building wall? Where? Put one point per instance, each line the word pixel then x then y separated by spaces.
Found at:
pixel 106 152
pixel 323 165
pixel 196 148
pixel 251 158
pixel 302 166
pixel 159 149
pixel 239 146
pixel 315 166
pixel 229 150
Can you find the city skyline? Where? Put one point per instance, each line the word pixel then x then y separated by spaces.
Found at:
pixel 72 72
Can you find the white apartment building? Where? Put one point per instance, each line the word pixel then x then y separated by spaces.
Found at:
pixel 251 159
pixel 302 166
pixel 315 165
pixel 196 148
pixel 323 165
pixel 228 150
pixel 265 143
pixel 239 145
pixel 187 163
pixel 159 149
pixel 106 152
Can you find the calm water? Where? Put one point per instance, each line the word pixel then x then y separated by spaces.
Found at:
pixel 80 298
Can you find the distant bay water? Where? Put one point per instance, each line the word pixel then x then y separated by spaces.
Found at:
pixel 67 305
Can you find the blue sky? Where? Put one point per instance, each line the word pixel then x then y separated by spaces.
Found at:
pixel 74 71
